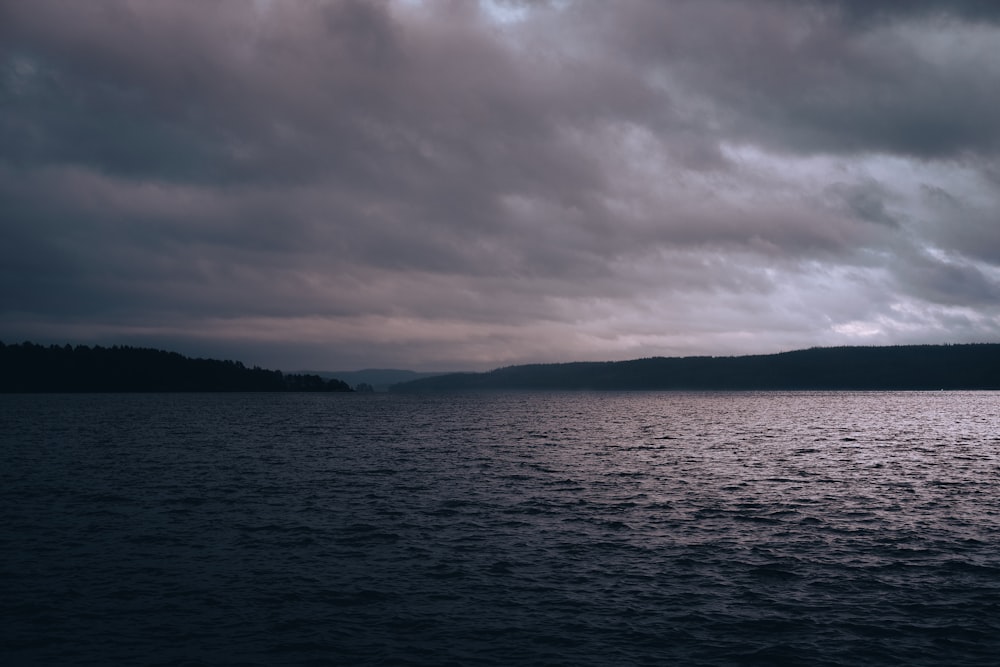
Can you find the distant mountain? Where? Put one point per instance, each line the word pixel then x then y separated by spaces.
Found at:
pixel 379 378
pixel 27 367
pixel 975 366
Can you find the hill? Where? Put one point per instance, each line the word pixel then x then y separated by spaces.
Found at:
pixel 28 367
pixel 974 366
pixel 380 379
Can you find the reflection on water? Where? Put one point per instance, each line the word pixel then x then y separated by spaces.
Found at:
pixel 518 528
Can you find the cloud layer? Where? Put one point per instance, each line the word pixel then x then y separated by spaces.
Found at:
pixel 446 184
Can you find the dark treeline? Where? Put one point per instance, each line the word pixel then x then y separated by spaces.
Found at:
pixel 28 367
pixel 975 366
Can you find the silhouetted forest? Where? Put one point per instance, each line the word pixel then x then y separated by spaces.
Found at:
pixel 28 367
pixel 975 366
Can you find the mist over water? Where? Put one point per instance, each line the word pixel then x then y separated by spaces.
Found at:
pixel 496 529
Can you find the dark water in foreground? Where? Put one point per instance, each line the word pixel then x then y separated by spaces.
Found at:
pixel 501 529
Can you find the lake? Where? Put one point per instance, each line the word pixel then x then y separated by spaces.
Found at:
pixel 654 528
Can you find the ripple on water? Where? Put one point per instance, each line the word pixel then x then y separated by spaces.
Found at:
pixel 497 529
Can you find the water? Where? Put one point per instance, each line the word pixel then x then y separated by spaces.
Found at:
pixel 501 529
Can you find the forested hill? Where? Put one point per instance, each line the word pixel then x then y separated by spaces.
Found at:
pixel 974 366
pixel 27 367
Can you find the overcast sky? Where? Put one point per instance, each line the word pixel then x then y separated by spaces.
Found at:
pixel 446 184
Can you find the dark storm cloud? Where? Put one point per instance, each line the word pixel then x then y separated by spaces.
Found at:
pixel 864 201
pixel 412 136
pixel 501 181
pixel 887 10
pixel 965 225
pixel 803 77
pixel 949 282
pixel 201 91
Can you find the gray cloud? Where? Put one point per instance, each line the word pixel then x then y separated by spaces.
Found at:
pixel 431 182
pixel 947 282
pixel 864 200
pixel 887 10
pixel 802 77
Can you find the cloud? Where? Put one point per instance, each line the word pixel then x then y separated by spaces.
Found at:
pixel 461 184
pixel 888 10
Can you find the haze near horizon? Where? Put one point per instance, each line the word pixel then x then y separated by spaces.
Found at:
pixel 443 185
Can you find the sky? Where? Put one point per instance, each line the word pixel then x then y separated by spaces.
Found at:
pixel 463 185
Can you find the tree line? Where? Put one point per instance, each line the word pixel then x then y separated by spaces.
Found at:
pixel 902 367
pixel 28 367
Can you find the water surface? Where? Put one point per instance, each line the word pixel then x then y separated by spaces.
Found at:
pixel 495 529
